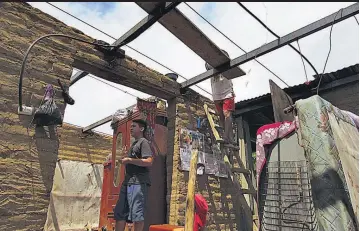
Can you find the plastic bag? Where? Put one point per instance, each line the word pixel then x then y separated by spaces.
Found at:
pixel 48 114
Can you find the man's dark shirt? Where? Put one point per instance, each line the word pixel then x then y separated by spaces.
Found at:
pixel 140 149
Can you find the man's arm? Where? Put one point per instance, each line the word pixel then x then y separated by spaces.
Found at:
pixel 147 162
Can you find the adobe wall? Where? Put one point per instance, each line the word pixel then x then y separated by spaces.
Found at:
pixel 28 156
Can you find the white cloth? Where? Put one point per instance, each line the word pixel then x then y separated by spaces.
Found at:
pixel 354 117
pixel 221 87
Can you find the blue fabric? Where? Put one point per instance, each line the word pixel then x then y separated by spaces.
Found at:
pixel 131 204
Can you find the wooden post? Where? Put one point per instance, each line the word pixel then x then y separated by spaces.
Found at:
pixel 249 165
pixel 243 157
pixel 190 201
pixel 280 100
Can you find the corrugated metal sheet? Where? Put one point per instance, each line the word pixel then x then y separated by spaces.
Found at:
pixel 327 78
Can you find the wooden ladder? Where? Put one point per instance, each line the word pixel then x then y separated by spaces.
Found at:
pixel 246 192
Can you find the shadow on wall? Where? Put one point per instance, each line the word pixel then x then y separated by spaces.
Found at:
pixel 47 144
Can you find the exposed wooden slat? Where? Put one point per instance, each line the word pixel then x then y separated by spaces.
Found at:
pixel 180 26
pixel 240 170
pixel 129 73
pixel 190 198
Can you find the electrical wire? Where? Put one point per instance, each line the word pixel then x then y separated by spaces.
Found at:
pixel 126 92
pixel 356 20
pixel 328 55
pixel 33 44
pixel 297 41
pixel 234 43
pixel 276 35
pixel 144 55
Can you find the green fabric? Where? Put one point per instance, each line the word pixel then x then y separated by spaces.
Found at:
pixel 330 195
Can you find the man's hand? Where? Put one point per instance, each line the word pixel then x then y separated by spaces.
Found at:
pixel 108 158
pixel 126 160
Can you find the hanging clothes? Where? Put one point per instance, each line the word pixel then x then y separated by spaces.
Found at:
pixel 265 136
pixel 324 153
pixel 346 138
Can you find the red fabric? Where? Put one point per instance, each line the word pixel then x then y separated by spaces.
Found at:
pixel 225 105
pixel 201 210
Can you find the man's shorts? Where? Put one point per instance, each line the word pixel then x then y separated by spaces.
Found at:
pixel 225 105
pixel 131 204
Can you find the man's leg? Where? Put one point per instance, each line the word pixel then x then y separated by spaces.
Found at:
pixel 219 109
pixel 138 205
pixel 121 210
pixel 120 225
pixel 228 108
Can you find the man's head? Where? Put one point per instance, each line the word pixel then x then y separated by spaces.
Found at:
pixel 138 128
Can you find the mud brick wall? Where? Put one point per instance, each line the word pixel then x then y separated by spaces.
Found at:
pixel 28 156
pixel 225 211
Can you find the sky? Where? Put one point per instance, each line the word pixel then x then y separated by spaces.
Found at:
pixel 95 100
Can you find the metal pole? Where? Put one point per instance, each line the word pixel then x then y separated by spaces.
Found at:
pixel 276 44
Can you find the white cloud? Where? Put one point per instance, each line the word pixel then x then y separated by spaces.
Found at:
pixel 95 100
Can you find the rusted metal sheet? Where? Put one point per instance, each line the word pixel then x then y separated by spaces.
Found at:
pixel 180 26
pixel 280 100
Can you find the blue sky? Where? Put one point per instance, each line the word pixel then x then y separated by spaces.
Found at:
pixel 101 7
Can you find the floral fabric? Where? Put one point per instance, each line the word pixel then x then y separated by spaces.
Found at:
pixel 329 188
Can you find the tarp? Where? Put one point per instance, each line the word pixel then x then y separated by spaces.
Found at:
pixel 75 196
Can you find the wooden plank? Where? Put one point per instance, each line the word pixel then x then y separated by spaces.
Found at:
pixel 240 170
pixel 129 73
pixel 188 33
pixel 280 100
pixel 249 165
pixel 240 196
pixel 212 124
pixel 243 157
pixel 190 198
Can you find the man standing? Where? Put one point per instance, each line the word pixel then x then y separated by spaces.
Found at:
pixel 131 204
pixel 224 97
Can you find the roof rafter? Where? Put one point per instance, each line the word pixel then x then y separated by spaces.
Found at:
pixel 188 33
pixel 159 10
pixel 276 44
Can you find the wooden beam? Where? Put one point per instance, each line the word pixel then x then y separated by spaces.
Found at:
pixel 128 72
pixel 280 100
pixel 134 32
pixel 190 198
pixel 249 164
pixel 188 33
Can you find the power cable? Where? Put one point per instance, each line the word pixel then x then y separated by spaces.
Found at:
pixel 302 60
pixel 126 92
pixel 328 55
pixel 146 56
pixel 276 35
pixel 235 43
pixel 356 20
pixel 33 44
